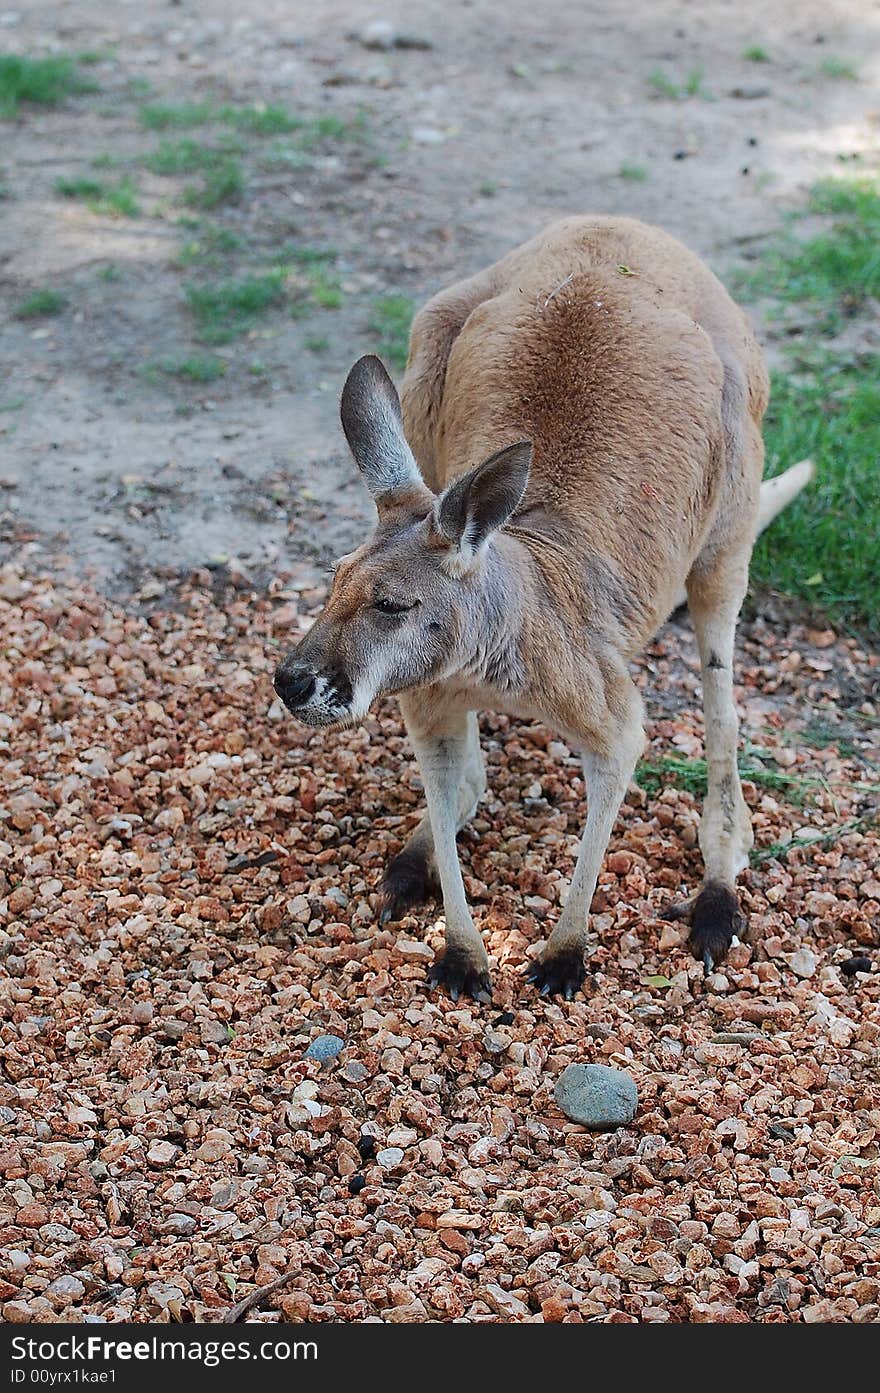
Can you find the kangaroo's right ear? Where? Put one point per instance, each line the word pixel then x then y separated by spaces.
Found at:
pixel 373 425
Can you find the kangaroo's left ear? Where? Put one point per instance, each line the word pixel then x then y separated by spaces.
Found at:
pixel 477 504
pixel 373 425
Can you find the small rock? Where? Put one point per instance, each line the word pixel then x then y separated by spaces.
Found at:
pixel 596 1096
pixel 390 1157
pixel 162 1153
pixel 64 1290
pixel 179 1223
pixel 503 1303
pixel 428 135
pixel 325 1048
pixel 378 34
pixel 854 965
pixel 803 962
pixel 402 1136
pixel 420 41
pixel 354 1071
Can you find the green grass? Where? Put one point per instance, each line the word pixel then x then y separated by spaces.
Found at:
pixel 837 270
pixel 828 545
pixel 117 200
pixel 839 69
pixel 39 82
pixel 325 289
pixel 827 407
pixel 390 320
pixel 635 173
pixel 316 343
pixel 819 734
pixel 199 367
pixel 39 304
pixel 690 774
pixel 209 246
pixel 174 157
pixel 488 188
pixel 164 116
pixel 260 120
pixel 778 851
pixel 222 183
pixel 222 174
pixel 663 86
pixel 226 309
pixel 756 54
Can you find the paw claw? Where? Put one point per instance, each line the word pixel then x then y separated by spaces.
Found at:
pixel 562 974
pixel 715 918
pixel 460 975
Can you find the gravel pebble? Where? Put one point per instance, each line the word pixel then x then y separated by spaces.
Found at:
pixel 325 1048
pixel 171 1145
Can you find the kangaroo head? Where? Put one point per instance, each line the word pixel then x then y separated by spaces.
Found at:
pixel 406 607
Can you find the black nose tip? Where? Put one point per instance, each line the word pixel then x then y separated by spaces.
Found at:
pixel 294 685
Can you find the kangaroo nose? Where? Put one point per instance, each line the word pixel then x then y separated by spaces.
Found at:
pixel 294 685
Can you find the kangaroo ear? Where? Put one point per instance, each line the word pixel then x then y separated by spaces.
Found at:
pixel 475 505
pixel 373 425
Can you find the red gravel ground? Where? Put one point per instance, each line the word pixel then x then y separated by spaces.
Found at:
pixel 189 897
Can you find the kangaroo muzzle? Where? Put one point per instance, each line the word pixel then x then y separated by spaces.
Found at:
pixel 314 697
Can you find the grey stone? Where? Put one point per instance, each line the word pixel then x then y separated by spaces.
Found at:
pixel 378 33
pixel 180 1223
pixel 326 1047
pixel 390 1157
pixel 596 1096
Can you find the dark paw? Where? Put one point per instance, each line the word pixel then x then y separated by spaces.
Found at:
pixel 408 881
pixel 457 972
pixel 715 918
pixel 559 974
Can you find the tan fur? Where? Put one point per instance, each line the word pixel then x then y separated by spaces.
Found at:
pixel 637 381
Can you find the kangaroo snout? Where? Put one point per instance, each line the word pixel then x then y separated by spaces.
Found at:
pixel 294 683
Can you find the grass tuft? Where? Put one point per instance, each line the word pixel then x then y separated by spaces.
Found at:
pixel 390 321
pixel 756 54
pixel 653 774
pixel 663 86
pixel 199 367
pixel 117 200
pixel 839 69
pixel 222 183
pixel 222 174
pixel 39 304
pixel 226 309
pixel 164 116
pixel 38 81
pixel 260 120
pixel 635 173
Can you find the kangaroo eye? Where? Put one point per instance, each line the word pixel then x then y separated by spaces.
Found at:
pixel 393 607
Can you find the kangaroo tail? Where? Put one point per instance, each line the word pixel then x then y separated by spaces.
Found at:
pixel 777 493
